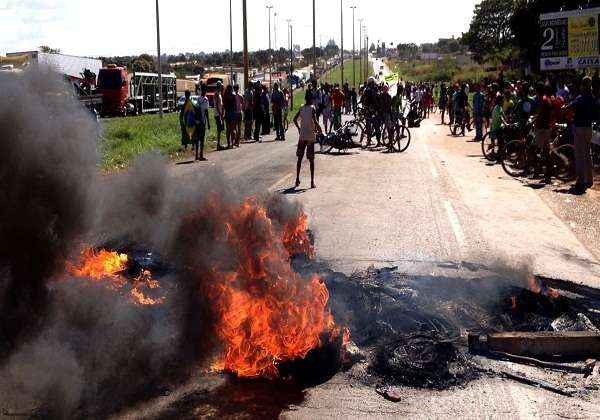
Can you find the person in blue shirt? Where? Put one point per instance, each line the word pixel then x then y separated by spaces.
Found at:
pixel 585 113
pixel 478 108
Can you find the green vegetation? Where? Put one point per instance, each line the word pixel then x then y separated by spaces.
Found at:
pixel 334 75
pixel 445 70
pixel 124 139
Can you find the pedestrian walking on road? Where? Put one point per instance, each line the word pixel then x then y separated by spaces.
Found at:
pixel 478 108
pixel 229 104
pixel 308 127
pixel 202 123
pixel 337 100
pixel 327 110
pixel 187 121
pixel 585 113
pixel 277 104
pixel 239 114
pixel 266 105
pixel 219 113
pixel 443 101
pixel 248 117
pixel 258 112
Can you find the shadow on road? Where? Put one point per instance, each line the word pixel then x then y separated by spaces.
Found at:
pixel 294 191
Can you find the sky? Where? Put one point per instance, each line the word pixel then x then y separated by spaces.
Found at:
pixel 128 27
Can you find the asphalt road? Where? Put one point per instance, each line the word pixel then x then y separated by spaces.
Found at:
pixel 434 209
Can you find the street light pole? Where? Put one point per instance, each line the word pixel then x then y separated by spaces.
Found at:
pixel 270 52
pixel 160 86
pixel 342 33
pixel 291 63
pixel 231 42
pixel 245 29
pixel 360 54
pixel 353 48
pixel 275 30
pixel 314 42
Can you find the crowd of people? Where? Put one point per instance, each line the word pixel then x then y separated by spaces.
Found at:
pixel 486 106
pixel 251 116
pixel 572 100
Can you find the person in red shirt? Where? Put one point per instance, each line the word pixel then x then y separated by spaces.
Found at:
pixel 337 99
pixel 544 124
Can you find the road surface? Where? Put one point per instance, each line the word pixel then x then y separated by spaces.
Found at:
pixel 439 204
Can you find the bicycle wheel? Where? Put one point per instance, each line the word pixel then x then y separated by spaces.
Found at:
pixel 515 162
pixel 402 140
pixel 490 148
pixel 563 161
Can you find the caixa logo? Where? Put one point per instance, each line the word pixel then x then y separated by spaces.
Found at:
pixel 589 62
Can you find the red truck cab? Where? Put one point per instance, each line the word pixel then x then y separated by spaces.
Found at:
pixel 114 87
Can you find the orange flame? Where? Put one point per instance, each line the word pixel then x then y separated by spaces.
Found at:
pixel 108 266
pixel 536 286
pixel 266 313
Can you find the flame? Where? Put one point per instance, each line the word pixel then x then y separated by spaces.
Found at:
pixel 99 265
pixel 108 267
pixel 296 239
pixel 536 286
pixel 266 313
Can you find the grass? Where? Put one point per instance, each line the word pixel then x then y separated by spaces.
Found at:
pixel 124 139
pixel 446 70
pixel 334 75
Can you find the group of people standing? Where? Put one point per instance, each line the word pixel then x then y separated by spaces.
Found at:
pixel 495 104
pixel 235 115
pixel 333 101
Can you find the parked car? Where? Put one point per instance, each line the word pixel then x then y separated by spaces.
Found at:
pixel 181 101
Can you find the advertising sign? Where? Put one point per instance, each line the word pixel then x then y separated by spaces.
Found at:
pixel 570 40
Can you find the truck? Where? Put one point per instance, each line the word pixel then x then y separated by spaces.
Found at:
pixel 211 80
pixel 80 72
pixel 70 65
pixel 135 93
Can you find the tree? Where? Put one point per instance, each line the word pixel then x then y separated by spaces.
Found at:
pixel 490 33
pixel 48 50
pixel 143 64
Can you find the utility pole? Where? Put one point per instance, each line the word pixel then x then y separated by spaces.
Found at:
pixel 367 58
pixel 160 85
pixel 314 42
pixel 275 30
pixel 353 48
pixel 231 42
pixel 291 63
pixel 245 30
pixel 342 33
pixel 360 54
pixel 270 52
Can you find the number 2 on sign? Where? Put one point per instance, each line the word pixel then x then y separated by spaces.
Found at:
pixel 548 33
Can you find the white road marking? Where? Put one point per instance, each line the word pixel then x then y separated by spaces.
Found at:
pixel 455 223
pixel 276 185
pixel 434 171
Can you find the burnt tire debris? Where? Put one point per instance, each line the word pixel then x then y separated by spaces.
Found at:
pixel 413 330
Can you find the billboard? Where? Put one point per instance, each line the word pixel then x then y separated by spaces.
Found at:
pixel 570 40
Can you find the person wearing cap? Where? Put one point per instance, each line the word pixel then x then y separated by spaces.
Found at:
pixel 219 113
pixel 337 100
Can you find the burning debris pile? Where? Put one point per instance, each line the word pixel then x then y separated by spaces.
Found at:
pixel 111 288
pixel 414 329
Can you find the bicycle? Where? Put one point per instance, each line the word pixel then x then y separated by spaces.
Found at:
pixel 341 139
pixel 521 157
pixel 492 147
